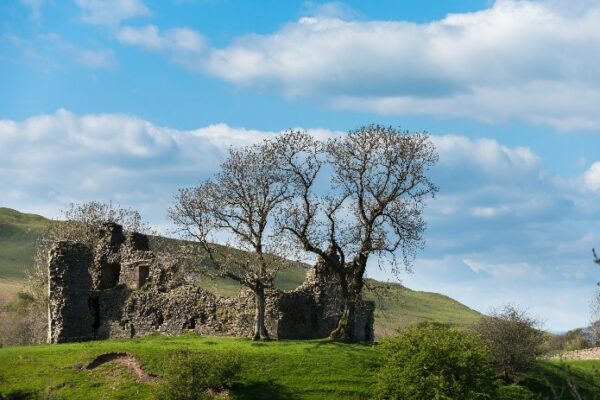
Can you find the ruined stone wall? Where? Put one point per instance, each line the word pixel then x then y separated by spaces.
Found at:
pixel 123 291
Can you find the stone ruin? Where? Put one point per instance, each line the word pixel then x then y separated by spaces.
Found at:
pixel 121 290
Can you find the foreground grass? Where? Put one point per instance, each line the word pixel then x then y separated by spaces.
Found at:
pixel 565 380
pixel 275 370
pixel 270 370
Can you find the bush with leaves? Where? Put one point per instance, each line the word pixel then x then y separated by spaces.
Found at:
pixel 198 376
pixel 514 338
pixel 434 361
pixel 514 392
pixel 577 339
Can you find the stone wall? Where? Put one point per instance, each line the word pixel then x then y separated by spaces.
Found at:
pixel 121 290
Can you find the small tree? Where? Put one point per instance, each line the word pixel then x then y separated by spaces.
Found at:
pixel 595 324
pixel 378 183
pixel 433 361
pixel 239 203
pixel 514 339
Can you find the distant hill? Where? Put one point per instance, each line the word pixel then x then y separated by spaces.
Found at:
pixel 397 306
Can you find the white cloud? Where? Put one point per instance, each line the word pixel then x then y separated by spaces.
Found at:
pixel 505 271
pixel 146 37
pixel 535 61
pixel 111 12
pixel 484 153
pixel 185 46
pixel 50 160
pixel 592 176
pixel 486 212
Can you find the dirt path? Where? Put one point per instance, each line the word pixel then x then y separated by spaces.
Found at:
pixel 585 354
pixel 126 360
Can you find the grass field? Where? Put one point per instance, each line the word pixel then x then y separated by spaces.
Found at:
pixel 271 370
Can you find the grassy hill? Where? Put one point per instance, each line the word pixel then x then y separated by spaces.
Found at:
pixel 18 235
pixel 278 370
pixel 397 306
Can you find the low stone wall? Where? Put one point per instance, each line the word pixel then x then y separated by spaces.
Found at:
pixel 122 291
pixel 584 354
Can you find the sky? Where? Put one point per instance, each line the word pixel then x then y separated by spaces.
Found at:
pixel 127 101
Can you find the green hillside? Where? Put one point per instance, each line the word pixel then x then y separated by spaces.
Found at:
pixel 292 370
pixel 397 306
pixel 18 235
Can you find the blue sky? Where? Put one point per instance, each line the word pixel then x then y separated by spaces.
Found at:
pixel 129 100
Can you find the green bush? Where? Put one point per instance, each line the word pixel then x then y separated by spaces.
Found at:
pixel 576 339
pixel 198 376
pixel 433 361
pixel 514 392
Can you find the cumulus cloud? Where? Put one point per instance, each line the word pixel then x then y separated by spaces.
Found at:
pixel 111 12
pixel 536 61
pixel 50 160
pixel 592 176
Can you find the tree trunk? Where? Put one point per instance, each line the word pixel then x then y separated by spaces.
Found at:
pixel 260 332
pixel 351 285
pixel 345 328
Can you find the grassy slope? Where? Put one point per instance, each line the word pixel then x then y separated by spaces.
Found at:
pixel 272 370
pixel 396 307
pixel 18 235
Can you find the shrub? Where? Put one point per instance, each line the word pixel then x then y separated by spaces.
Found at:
pixel 433 361
pixel 198 376
pixel 23 320
pixel 514 340
pixel 577 339
pixel 514 392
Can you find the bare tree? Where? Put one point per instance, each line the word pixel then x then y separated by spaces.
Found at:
pixel 595 305
pixel 377 185
pixel 514 338
pixel 239 204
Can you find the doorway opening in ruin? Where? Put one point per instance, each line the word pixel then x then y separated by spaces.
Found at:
pixel 94 304
pixel 109 275
pixel 143 273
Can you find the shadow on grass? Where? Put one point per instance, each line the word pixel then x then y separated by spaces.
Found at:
pixel 261 390
pixel 19 395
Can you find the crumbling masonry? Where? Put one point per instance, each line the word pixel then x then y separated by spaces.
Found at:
pixel 121 290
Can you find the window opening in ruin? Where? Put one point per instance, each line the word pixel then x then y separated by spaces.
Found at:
pixel 192 323
pixel 109 277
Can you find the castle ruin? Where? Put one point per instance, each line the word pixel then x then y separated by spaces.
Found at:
pixel 119 289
